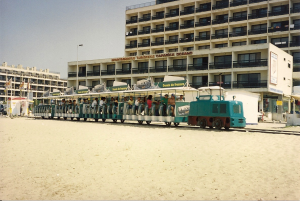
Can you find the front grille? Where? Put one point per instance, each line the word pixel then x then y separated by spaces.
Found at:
pixel 241 120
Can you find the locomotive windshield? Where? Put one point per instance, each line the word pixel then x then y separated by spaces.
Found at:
pixel 237 109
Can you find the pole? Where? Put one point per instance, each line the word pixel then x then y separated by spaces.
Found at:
pixel 77 86
pixel 220 85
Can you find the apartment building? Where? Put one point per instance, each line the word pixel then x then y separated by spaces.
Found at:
pixel 39 80
pixel 202 40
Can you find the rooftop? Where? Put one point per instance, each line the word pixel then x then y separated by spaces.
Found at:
pixel 152 3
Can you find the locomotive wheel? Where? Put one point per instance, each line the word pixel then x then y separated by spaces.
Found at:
pixel 78 119
pixel 84 119
pixel 103 120
pixel 140 122
pixel 96 120
pixel 114 120
pixel 218 124
pixel 168 123
pixel 226 128
pixel 176 124
pixel 122 120
pixel 203 123
pixel 148 122
pixel 65 118
pixel 71 118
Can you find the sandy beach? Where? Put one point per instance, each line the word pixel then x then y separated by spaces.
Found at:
pixel 58 160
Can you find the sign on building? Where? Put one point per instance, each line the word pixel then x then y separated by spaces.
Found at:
pixel 273 68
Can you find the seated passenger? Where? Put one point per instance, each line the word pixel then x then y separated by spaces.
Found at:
pixel 95 102
pixel 102 101
pixel 171 102
pixel 164 101
pixel 180 99
pixel 130 102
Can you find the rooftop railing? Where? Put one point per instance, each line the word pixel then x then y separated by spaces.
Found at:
pixel 152 3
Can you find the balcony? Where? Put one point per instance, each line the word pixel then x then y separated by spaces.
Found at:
pixel 296 27
pixel 236 19
pixel 217 21
pixel 256 1
pixel 249 84
pixel 220 65
pixel 107 72
pixel 144 44
pixel 141 32
pixel 186 26
pixel 295 10
pixel 202 38
pixel 82 74
pixel 172 14
pixel 237 33
pixel 93 73
pixel 200 24
pixel 152 3
pixel 187 12
pixel 131 21
pixel 275 13
pixel 171 28
pixel 216 36
pixel 157 17
pixel 296 61
pixel 140 70
pixel 201 66
pixel 250 63
pixel 281 44
pixel 158 69
pixel 274 29
pixel 185 40
pixel 131 33
pixel 171 42
pixel 294 43
pixel 158 30
pixel 202 9
pixel 238 3
pixel 197 85
pixel 156 43
pixel 257 31
pixel 128 46
pixel 221 5
pixel 296 69
pixel 225 85
pixel 177 68
pixel 72 74
pixel 144 19
pixel 255 16
pixel 123 72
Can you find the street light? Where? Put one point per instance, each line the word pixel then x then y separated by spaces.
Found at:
pixel 77 84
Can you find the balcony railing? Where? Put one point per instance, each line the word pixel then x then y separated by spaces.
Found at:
pixel 294 43
pixel 200 24
pixel 152 3
pixel 144 44
pixel 157 17
pixel 224 4
pixel 249 84
pixel 186 26
pixel 202 66
pixel 296 60
pixel 255 16
pixel 158 69
pixel 144 19
pixel 219 65
pixel 296 69
pixel 257 31
pixel 197 85
pixel 281 44
pixel 93 73
pixel 123 72
pixel 155 43
pixel 238 3
pixel 295 10
pixel 217 21
pixel 131 21
pixel 158 30
pixel 202 9
pixel 172 14
pixel 201 38
pixel 176 68
pixel 81 74
pixel 128 46
pixel 275 13
pixel 256 1
pixel 274 29
pixel 235 19
pixel 250 63
pixel 187 12
pixel 225 85
pixel 237 33
pixel 171 42
pixel 107 72
pixel 296 27
pixel 171 28
pixel 72 74
pixel 140 70
pixel 141 32
pixel 185 40
pixel 216 36
pixel 131 34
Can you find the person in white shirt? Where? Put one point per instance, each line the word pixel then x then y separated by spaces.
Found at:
pixel 180 99
pixel 102 101
pixel 95 102
pixel 137 103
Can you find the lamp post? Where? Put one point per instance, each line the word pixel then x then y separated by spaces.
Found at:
pixel 77 84
pixel 220 85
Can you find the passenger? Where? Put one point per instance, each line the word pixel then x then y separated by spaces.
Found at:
pixel 74 102
pixel 130 102
pixel 116 102
pixel 149 101
pixel 102 101
pixel 164 101
pixel 63 102
pixel 180 99
pixel 171 102
pixel 95 102
pixel 137 103
pixel 125 99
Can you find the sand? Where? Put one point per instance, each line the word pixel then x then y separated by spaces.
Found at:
pixel 57 160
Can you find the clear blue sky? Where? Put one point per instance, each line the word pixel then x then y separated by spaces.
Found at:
pixel 45 33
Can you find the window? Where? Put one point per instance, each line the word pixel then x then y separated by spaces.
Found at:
pixel 173 38
pixel 133 18
pixel 215 108
pixel 249 78
pixel 240 14
pixel 280 24
pixel 280 8
pixel 146 41
pixel 160 39
pixel 173 50
pixel 111 67
pixel 221 32
pixel 222 17
pixel 226 79
pixel 146 53
pixel 179 62
pixel 289 65
pixel 221 45
pixel 128 81
pixel 147 16
pixel 205 6
pixel 174 11
pixel 239 29
pixel 259 41
pixel 96 68
pixel 205 20
pixel 259 27
pixel 204 35
pixel 237 109
pixel 200 80
pixel 160 14
pixel 189 22
pixel 261 11
pixel 238 43
pixel 94 83
pixel 132 54
pixel 146 29
pixel 126 67
pixel 109 83
pixel 223 59
pixel 82 83
pixel 188 48
pixel 159 26
pixel 173 24
pixel 189 36
pixel 143 65
pixel 161 63
pixel 189 9
pixel 223 108
pixel 200 60
pixel 280 40
pixel 159 51
pixel 249 57
pixel 203 47
pixel 133 43
pixel 159 79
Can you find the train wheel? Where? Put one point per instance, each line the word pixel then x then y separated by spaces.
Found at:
pixel 103 120
pixel 203 123
pixel 84 119
pixel 218 124
pixel 114 120
pixel 65 118
pixel 58 118
pixel 176 124
pixel 226 128
pixel 122 120
pixel 96 120
pixel 168 123
pixel 78 119
pixel 71 118
pixel 140 122
pixel 148 122
pixel 43 117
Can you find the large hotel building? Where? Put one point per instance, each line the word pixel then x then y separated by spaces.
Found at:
pixel 201 39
